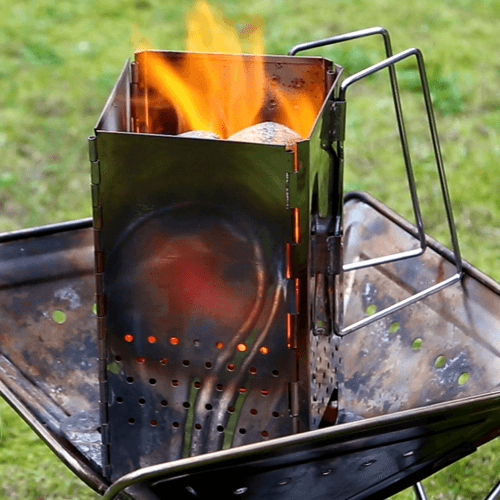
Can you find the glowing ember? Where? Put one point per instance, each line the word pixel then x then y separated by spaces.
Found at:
pixel 219 98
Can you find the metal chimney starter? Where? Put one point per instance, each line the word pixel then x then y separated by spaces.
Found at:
pixel 204 302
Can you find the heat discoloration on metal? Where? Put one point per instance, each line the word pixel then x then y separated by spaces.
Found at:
pixel 194 250
pixel 443 348
pixel 48 326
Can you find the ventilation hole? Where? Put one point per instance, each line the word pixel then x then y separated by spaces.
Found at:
pixel 186 404
pixel 230 367
pixel 175 383
pixel 371 309
pixel 219 387
pixel 240 491
pixel 186 362
pixel 196 342
pixel 131 421
pixel 253 411
pixel 208 406
pixel 94 308
pixel 152 381
pixel 241 347
pixel 152 339
pixel 175 424
pixel 264 350
pixel 220 428
pixel 275 414
pixel 141 359
pixel 393 327
pixel 242 390
pixel 326 472
pixel 417 343
pixel 264 392
pixel 253 370
pixel 192 491
pixel 230 409
pixel 119 399
pixel 265 433
pixel 242 431
pixel 197 426
pixel 275 373
pixel 153 423
pixel 59 316
pixel 163 361
pixel 174 340
pixel 463 378
pixel 142 401
pixel 440 361
pixel 118 358
pixel 197 385
pixel 128 337
pixel 130 380
pixel 219 345
pixel 164 402
pixel 208 365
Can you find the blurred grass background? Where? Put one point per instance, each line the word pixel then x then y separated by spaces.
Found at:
pixel 60 59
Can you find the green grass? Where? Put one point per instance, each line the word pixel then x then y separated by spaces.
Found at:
pixel 60 59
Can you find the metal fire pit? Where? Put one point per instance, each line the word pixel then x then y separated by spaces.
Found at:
pixel 366 356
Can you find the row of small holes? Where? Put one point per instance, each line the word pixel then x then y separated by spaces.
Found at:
pixel 60 316
pixel 417 343
pixel 197 385
pixel 175 341
pixel 208 407
pixel 440 361
pixel 197 426
pixel 186 405
pixel 231 367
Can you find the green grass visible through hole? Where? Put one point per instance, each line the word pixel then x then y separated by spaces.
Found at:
pixel 440 361
pixel 417 343
pixel 393 327
pixel 371 309
pixel 463 378
pixel 59 316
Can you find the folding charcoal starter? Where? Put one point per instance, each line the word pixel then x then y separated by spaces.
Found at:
pixel 258 333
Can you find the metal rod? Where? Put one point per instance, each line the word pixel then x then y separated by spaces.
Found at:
pixel 399 116
pixel 419 491
pixel 384 260
pixel 400 305
pixel 31 232
pixel 83 471
pixel 390 62
pixel 284 445
pixel 432 125
pixel 495 493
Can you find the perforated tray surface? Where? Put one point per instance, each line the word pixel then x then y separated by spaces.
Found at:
pixel 412 413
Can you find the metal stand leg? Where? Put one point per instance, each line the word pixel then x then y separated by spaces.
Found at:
pixel 495 493
pixel 419 491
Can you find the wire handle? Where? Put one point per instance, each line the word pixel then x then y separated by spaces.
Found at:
pixel 389 63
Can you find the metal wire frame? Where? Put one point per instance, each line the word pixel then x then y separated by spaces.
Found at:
pixel 389 63
pixel 402 134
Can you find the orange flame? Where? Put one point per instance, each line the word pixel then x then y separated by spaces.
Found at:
pixel 214 95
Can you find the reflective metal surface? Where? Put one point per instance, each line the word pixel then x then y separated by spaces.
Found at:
pixel 374 455
pixel 202 251
pixel 439 349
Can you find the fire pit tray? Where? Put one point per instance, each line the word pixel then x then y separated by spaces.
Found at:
pixel 416 391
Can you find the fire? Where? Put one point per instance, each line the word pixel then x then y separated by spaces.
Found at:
pixel 212 94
